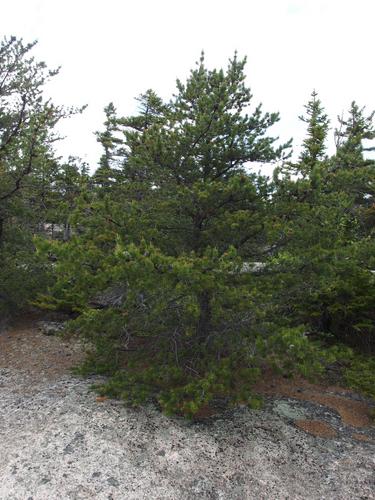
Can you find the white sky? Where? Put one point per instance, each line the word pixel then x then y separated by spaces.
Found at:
pixel 115 49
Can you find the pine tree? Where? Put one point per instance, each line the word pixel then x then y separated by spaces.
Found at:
pixel 352 171
pixel 27 134
pixel 314 146
pixel 105 174
pixel 350 136
pixel 326 242
pixel 302 178
pixel 176 237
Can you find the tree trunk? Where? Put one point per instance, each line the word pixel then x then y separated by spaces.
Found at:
pixel 1 231
pixel 67 232
pixel 205 317
pixel 326 320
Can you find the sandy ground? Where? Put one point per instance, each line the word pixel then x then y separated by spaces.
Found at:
pixel 59 441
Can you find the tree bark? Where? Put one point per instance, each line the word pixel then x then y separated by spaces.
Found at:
pixel 205 317
pixel 1 231
pixel 67 232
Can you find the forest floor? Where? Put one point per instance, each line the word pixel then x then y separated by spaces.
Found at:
pixel 60 441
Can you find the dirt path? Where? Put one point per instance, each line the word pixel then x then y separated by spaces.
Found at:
pixel 59 442
pixel 40 358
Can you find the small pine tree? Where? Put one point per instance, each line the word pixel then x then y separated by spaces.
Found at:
pixel 175 235
pixel 350 136
pixel 314 146
pixel 105 175
pixel 325 235
pixel 27 168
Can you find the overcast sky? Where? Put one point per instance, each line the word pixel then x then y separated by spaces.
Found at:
pixel 115 49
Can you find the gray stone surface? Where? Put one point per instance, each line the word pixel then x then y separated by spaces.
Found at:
pixel 111 297
pixel 51 327
pixel 291 412
pixel 58 442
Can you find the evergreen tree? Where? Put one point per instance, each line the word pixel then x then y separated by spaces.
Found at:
pixel 105 174
pixel 314 145
pixel 350 136
pixel 326 248
pixel 177 237
pixel 27 123
pixel 352 171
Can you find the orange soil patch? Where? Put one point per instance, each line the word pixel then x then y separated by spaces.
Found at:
pixel 205 412
pixel 354 413
pixel 362 437
pixel 316 428
pixel 101 399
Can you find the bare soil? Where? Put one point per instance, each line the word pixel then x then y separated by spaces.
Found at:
pixel 38 357
pixel 353 412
